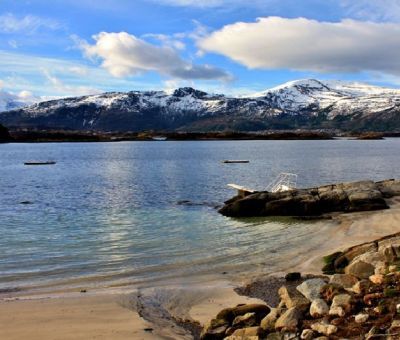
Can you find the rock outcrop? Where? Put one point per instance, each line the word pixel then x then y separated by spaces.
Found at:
pixel 342 197
pixel 4 135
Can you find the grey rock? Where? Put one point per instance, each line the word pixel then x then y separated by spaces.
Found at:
pixel 292 298
pixel 268 323
pixel 318 308
pixel 341 304
pixel 289 320
pixel 360 269
pixel 248 332
pixel 311 288
pixel 344 280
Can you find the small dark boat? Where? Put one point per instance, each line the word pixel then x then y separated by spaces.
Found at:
pixel 235 161
pixel 40 163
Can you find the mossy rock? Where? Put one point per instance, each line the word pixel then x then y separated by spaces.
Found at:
pixel 330 266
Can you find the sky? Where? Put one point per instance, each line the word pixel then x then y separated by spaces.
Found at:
pixel 62 48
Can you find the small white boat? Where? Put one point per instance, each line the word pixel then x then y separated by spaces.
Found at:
pixel 159 138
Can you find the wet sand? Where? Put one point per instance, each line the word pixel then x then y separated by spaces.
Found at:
pixel 113 317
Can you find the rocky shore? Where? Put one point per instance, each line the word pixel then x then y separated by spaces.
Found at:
pixel 357 298
pixel 342 197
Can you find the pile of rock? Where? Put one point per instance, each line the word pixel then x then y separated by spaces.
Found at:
pixel 360 302
pixel 342 197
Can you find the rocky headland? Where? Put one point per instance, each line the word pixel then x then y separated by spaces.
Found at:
pixel 358 297
pixel 318 201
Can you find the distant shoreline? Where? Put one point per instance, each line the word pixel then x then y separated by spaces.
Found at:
pixel 63 136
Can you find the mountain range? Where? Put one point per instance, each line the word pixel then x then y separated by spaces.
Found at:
pixel 304 104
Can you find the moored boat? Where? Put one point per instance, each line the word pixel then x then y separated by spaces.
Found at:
pixel 40 163
pixel 235 161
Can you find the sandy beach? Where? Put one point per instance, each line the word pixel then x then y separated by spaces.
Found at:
pixel 98 317
pixel 113 316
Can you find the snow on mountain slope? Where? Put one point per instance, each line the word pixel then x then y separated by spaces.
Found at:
pixel 302 103
pixel 342 97
pixel 180 102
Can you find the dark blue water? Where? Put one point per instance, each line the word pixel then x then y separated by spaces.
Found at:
pixel 144 212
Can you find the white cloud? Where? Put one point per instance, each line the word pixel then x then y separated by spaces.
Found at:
pixel 376 10
pixel 123 55
pixel 60 86
pixel 9 23
pixel 309 45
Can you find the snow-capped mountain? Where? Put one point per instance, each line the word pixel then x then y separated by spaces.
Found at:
pixel 340 98
pixel 299 104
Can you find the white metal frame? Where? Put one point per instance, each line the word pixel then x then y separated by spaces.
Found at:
pixel 284 182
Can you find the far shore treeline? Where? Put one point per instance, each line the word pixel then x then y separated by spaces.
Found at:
pixel 55 135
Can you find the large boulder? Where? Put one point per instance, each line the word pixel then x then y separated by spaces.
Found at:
pixel 360 269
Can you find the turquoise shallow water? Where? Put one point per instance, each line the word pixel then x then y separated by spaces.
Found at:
pixel 142 213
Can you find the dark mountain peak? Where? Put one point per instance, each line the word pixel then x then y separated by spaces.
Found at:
pixel 186 91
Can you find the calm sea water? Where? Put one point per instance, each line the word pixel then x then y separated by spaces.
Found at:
pixel 142 213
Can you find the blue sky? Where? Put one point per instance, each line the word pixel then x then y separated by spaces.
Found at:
pixel 77 47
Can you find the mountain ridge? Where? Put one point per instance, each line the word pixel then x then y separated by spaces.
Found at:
pixel 306 104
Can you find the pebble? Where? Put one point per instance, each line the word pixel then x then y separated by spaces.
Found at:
pixel 361 318
pixel 324 328
pixel 377 279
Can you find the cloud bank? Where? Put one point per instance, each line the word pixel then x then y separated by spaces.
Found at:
pixel 309 45
pixel 123 55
